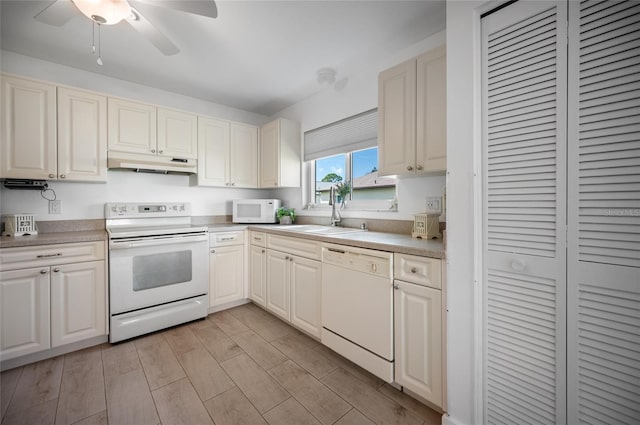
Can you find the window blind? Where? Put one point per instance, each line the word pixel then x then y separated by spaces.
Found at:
pixel 353 133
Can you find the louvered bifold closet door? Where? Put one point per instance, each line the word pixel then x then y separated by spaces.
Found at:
pixel 604 213
pixel 524 184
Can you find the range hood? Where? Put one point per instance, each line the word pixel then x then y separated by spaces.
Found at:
pixel 151 163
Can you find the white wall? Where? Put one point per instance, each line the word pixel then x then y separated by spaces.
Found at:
pixel 352 95
pixel 86 200
pixel 464 372
pixel 26 66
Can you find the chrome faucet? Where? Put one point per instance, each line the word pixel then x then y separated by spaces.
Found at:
pixel 335 214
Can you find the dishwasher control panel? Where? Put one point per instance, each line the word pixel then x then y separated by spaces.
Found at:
pixel 378 263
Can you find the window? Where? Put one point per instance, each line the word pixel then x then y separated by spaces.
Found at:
pixel 347 152
pixel 358 168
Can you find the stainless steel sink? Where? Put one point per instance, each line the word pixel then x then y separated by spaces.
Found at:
pixel 318 229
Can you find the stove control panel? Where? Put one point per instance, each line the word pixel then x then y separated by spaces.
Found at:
pixel 142 210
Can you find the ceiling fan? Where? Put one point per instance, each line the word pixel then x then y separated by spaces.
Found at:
pixel 111 12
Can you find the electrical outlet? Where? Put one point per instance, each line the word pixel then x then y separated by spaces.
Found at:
pixel 55 207
pixel 434 205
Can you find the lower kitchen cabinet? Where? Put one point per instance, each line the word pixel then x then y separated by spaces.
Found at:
pixel 418 336
pixel 24 312
pixel 278 284
pixel 258 275
pixel 294 282
pixel 418 327
pixel 306 297
pixel 51 295
pixel 226 274
pixel 78 308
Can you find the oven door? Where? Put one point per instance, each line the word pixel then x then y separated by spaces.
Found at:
pixel 151 271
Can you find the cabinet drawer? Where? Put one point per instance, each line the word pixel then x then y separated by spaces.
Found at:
pixel 299 247
pixel 46 255
pixel 421 270
pixel 226 238
pixel 258 238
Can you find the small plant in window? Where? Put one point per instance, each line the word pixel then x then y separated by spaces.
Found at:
pixel 343 190
pixel 286 215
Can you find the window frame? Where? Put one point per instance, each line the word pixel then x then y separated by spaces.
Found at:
pixel 388 205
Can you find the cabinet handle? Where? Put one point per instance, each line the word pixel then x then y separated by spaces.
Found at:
pixel 63 176
pixel 275 184
pixel 290 258
pixel 56 270
pixel 396 286
pixel 419 167
pixel 413 270
pixel 263 251
pixel 160 151
pixel 374 267
pixel 57 254
pixel 226 184
pixel 153 151
pixel 52 176
pixel 43 271
pixel 213 251
pixel 233 184
pixel 409 167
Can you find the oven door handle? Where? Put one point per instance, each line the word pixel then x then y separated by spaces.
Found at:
pixel 156 242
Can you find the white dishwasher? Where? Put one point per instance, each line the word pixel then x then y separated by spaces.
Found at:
pixel 357 306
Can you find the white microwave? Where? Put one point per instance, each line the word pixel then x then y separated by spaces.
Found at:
pixel 255 210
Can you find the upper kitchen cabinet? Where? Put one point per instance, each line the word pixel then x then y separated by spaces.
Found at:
pixel 227 154
pixel 243 155
pixel 280 154
pixel 29 148
pixel 132 127
pixel 37 143
pixel 412 116
pixel 140 128
pixel 82 135
pixel 177 134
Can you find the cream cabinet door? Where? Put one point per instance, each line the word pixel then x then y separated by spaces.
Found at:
pixel 132 126
pixel 306 286
pixel 397 119
pixel 24 312
pixel 431 131
pixel 258 275
pixel 78 302
pixel 28 145
pixel 177 134
pixel 270 155
pixel 226 278
pixel 278 266
pixel 82 136
pixel 243 154
pixel 213 152
pixel 418 340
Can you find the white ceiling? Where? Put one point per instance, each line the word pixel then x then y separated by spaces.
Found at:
pixel 259 56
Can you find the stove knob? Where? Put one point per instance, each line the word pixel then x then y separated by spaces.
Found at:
pixel 162 208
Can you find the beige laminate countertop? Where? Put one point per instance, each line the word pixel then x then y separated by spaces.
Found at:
pixel 403 244
pixel 53 238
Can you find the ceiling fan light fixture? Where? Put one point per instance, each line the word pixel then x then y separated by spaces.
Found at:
pixel 107 12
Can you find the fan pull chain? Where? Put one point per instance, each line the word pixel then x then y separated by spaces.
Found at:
pixel 99 61
pixel 93 37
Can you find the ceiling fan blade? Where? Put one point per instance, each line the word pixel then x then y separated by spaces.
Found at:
pixel 58 13
pixel 196 7
pixel 152 34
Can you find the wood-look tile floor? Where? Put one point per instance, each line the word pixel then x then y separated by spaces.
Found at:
pixel 239 366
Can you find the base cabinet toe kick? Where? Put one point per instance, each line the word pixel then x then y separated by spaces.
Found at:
pixel 384 312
